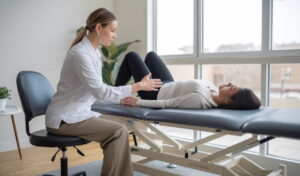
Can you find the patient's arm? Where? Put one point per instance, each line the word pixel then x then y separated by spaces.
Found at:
pixel 189 101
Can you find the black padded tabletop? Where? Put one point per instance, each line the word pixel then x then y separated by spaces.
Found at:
pixel 284 123
pixel 119 110
pixel 224 119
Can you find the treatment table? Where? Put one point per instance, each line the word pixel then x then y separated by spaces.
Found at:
pixel 143 123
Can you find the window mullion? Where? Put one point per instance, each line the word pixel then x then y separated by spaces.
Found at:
pixel 196 27
pixel 197 71
pixel 265 83
pixel 266 26
pixel 266 48
pixel 265 92
pixel 197 75
pixel 200 28
pixel 198 45
pixel 150 25
pixel 154 25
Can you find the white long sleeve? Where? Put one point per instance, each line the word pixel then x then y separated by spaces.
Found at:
pixel 80 85
pixel 190 101
pixel 87 73
pixel 191 94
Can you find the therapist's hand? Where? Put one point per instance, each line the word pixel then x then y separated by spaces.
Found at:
pixel 129 101
pixel 149 84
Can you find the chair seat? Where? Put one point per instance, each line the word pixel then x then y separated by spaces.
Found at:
pixel 45 139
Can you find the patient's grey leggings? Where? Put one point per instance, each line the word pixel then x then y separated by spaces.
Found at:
pixel 133 65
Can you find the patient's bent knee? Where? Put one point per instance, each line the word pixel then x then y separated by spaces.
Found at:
pixel 132 54
pixel 151 54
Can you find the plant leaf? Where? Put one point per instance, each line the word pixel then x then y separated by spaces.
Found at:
pixel 111 49
pixel 122 48
pixel 4 92
pixel 104 51
pixel 127 44
pixel 111 54
pixel 105 74
pixel 116 55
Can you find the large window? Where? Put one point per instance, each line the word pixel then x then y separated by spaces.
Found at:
pixel 199 27
pixel 240 75
pixel 285 93
pixel 286 24
pixel 175 30
pixel 182 72
pixel 285 86
pixel 251 43
pixel 232 25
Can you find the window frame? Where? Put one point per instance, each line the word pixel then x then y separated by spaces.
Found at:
pixel 195 40
pixel 265 57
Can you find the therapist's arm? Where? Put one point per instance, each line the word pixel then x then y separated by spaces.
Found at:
pixel 86 71
pixel 147 84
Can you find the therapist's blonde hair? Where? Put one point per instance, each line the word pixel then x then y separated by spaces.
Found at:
pixel 102 16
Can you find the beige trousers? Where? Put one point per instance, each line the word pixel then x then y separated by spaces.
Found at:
pixel 113 138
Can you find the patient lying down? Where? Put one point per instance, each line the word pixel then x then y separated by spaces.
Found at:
pixel 199 94
pixel 190 94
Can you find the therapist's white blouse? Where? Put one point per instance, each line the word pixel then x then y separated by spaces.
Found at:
pixel 80 85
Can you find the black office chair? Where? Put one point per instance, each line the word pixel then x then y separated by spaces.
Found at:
pixel 35 93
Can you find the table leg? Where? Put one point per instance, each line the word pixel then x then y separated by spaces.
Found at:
pixel 16 135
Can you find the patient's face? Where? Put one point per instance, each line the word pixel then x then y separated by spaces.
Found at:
pixel 228 90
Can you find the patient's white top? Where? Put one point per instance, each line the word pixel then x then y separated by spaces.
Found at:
pixel 191 94
pixel 80 85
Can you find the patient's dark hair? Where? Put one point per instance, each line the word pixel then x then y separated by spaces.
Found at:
pixel 245 99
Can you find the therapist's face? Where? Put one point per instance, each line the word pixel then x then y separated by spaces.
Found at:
pixel 108 33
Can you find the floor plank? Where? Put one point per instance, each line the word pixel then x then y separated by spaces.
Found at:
pixel 37 160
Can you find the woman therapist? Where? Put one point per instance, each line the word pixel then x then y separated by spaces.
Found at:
pixel 81 84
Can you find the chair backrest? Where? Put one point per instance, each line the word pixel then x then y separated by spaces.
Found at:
pixel 35 94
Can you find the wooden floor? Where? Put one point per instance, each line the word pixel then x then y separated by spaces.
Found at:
pixel 37 160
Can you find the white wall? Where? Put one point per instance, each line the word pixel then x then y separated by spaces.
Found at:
pixel 132 18
pixel 35 35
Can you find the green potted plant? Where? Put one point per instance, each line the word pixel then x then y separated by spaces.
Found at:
pixel 4 95
pixel 111 54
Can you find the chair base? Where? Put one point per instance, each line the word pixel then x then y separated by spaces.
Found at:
pixel 64 164
pixel 82 173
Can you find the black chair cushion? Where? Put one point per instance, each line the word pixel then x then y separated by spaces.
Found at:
pixel 45 139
